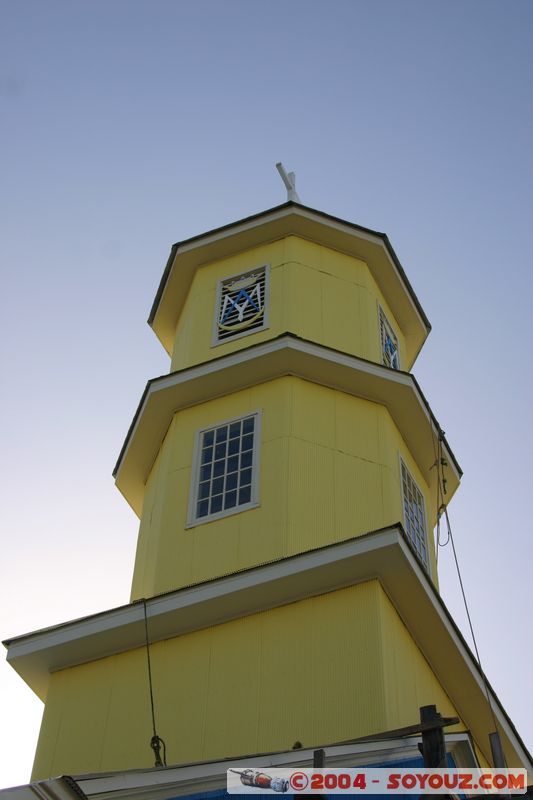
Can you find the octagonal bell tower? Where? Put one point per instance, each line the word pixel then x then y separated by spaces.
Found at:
pixel 304 327
pixel 287 474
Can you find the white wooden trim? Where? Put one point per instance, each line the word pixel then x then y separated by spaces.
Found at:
pixel 383 555
pixel 192 520
pixel 286 355
pixel 215 342
pixel 401 461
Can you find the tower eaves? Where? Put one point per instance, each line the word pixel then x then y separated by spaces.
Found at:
pixel 288 219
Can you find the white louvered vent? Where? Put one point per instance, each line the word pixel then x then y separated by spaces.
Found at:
pixel 241 304
pixel 389 343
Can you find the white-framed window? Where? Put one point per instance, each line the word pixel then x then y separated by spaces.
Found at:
pixel 390 352
pixel 241 305
pixel 414 514
pixel 225 469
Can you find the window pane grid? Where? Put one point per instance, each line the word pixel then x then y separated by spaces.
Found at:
pixel 415 523
pixel 225 472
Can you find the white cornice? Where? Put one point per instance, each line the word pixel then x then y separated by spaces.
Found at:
pixel 204 776
pixel 37 654
pixel 291 219
pixel 383 555
pixel 63 788
pixel 286 355
pixel 185 779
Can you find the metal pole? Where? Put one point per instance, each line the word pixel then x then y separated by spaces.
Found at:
pixel 433 748
pixel 498 756
pixel 319 762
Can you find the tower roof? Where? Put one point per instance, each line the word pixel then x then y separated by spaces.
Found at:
pixel 384 554
pixel 288 219
pixel 285 355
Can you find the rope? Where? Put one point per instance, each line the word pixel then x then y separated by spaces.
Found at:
pixel 155 742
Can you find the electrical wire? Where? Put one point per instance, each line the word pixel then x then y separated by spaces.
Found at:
pixel 155 742
pixel 485 682
pixel 440 482
pixel 441 490
pixel 442 509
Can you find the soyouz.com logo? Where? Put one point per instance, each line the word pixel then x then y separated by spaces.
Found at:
pixel 422 780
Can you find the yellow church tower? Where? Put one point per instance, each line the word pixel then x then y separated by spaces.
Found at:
pixel 287 474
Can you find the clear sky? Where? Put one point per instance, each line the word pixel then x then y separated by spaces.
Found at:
pixel 126 126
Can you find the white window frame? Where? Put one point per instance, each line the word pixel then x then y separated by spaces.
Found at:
pixel 425 562
pixel 215 341
pixel 386 324
pixel 192 519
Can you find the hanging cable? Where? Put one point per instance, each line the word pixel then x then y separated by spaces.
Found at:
pixel 442 509
pixel 155 742
pixel 485 683
pixel 438 464
pixel 435 465
pixel 441 481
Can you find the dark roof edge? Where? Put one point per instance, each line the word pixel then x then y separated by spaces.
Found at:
pixel 162 283
pixel 436 424
pixel 289 204
pixel 293 751
pixel 398 526
pixel 260 344
pixel 134 422
pixel 243 570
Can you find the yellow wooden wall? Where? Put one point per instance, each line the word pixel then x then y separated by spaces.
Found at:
pixel 324 669
pixel 315 292
pixel 329 469
pixel 405 665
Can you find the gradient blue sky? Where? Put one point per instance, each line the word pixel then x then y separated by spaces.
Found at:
pixel 126 126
